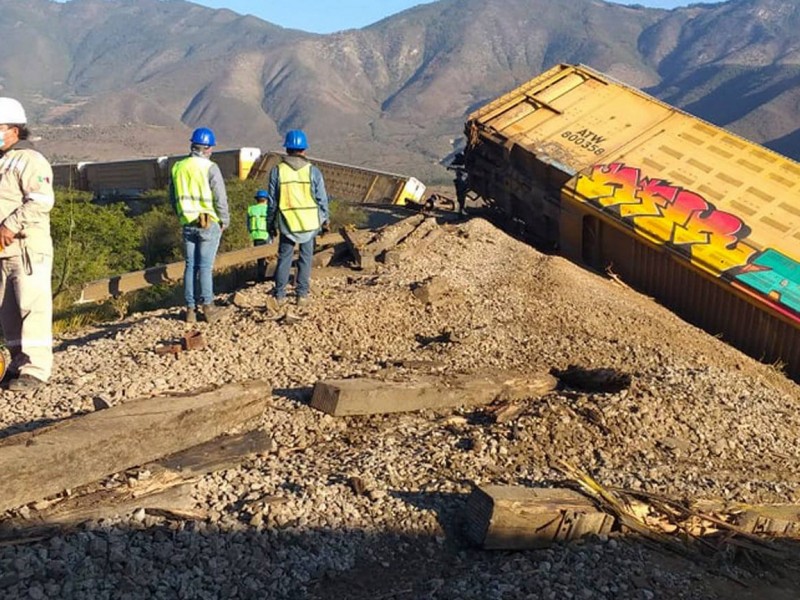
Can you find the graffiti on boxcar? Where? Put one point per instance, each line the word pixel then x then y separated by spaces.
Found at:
pixel 712 239
pixel 776 276
pixel 669 214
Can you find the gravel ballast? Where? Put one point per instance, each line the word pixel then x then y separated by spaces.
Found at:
pixel 699 421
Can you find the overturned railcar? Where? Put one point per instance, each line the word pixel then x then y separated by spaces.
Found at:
pixel 351 183
pixel 129 178
pixel 703 220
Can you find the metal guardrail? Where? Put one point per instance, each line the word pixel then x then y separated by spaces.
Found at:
pixel 112 287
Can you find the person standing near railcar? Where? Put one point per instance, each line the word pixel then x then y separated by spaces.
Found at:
pixel 26 252
pixel 198 194
pixel 257 215
pixel 298 191
pixel 461 182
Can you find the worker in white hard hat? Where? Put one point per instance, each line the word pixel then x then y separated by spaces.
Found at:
pixel 26 252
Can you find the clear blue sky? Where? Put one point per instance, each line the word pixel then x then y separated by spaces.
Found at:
pixel 325 16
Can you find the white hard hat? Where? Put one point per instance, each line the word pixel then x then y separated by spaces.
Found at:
pixel 11 112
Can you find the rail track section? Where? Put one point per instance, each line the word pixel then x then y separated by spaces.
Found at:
pixel 706 222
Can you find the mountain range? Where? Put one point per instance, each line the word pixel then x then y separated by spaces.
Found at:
pixel 106 79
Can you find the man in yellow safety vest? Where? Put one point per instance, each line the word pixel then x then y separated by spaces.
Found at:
pixel 198 194
pixel 300 211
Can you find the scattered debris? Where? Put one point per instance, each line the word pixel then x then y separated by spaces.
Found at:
pixel 615 278
pixel 356 240
pixel 358 485
pixel 242 300
pixel 193 340
pixel 505 411
pixel 75 452
pixel 415 243
pixel 518 518
pixel 444 337
pixel 432 291
pixel 165 349
pixel 372 396
pixel 160 488
pixel 290 318
pixel 677 526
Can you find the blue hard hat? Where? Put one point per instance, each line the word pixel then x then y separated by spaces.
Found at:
pixel 262 194
pixel 296 140
pixel 203 136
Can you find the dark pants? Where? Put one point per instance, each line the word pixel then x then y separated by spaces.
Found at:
pixel 461 195
pixel 461 198
pixel 261 265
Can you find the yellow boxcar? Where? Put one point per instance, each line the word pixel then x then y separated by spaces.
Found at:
pixel 703 220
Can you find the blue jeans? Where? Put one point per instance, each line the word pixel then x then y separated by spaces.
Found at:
pixel 285 252
pixel 200 247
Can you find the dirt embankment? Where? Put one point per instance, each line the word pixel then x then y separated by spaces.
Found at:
pixel 700 420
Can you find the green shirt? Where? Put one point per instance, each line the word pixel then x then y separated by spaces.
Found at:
pixel 257 221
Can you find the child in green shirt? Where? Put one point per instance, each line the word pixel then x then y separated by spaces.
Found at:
pixel 257 228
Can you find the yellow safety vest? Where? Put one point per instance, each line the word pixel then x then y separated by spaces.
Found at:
pixel 297 206
pixel 192 189
pixel 257 221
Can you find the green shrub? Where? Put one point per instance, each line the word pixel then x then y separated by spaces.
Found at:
pixel 91 241
pixel 161 239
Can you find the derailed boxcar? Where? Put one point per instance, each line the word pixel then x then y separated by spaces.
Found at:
pixel 703 220
pixel 129 178
pixel 352 183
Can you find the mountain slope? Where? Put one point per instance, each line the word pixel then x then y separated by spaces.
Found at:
pixel 393 95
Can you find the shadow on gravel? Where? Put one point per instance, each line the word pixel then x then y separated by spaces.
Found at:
pixel 174 559
pixel 107 330
pixel 379 215
pixel 100 332
pixel 447 507
pixel 301 395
